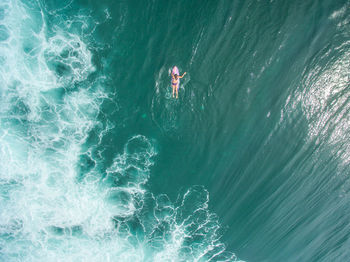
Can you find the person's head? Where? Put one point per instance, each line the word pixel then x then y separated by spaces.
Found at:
pixel 175 76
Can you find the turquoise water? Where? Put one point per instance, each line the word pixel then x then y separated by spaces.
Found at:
pixel 99 163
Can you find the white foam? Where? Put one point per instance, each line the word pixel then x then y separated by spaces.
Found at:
pixel 42 131
pixel 338 13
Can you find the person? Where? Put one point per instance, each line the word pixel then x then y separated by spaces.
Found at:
pixel 175 83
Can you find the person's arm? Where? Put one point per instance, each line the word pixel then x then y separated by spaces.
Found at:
pixel 182 75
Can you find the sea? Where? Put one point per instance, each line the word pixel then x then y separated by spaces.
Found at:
pixel 99 162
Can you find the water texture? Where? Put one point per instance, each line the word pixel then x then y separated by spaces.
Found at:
pixel 99 163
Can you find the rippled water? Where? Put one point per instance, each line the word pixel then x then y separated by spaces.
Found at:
pixel 99 163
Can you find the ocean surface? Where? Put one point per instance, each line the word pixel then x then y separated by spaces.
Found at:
pixel 98 162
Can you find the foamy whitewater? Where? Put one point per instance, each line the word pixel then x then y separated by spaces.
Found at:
pixel 58 201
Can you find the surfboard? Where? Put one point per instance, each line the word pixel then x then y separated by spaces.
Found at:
pixel 175 70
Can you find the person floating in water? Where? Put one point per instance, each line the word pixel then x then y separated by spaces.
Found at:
pixel 175 83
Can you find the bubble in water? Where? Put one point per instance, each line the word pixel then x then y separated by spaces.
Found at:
pixel 4 34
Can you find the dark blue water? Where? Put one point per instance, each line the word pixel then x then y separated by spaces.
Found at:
pixel 98 162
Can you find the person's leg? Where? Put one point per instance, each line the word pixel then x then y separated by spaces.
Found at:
pixel 177 91
pixel 173 90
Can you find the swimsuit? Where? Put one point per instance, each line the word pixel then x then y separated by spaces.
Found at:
pixel 175 83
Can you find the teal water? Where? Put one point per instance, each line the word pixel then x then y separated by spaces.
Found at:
pixel 99 163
